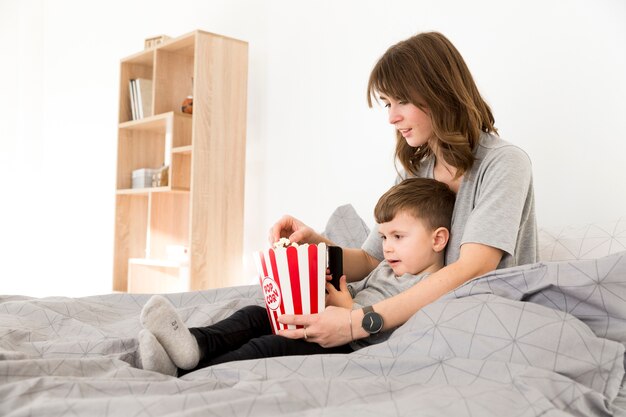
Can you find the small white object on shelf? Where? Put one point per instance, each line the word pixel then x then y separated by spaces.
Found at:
pixel 142 178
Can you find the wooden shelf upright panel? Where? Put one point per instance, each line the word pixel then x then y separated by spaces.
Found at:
pixel 218 166
pixel 188 233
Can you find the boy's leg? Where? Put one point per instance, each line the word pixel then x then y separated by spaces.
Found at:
pixel 231 333
pixel 269 346
pixel 246 334
pixel 160 317
pixel 186 346
pixel 153 356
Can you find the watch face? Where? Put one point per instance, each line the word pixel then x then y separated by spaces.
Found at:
pixel 372 322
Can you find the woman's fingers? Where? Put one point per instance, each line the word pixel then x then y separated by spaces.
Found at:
pixel 298 320
pixel 290 227
pixel 285 226
pixel 298 236
pixel 305 320
pixel 328 328
pixel 294 334
pixel 284 223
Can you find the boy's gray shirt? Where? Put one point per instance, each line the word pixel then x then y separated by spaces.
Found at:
pixel 495 205
pixel 380 284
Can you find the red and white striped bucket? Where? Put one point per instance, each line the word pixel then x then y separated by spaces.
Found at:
pixel 293 281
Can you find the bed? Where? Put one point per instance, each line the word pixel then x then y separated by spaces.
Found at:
pixel 543 339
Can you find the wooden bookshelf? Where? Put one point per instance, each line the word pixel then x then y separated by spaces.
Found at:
pixel 201 207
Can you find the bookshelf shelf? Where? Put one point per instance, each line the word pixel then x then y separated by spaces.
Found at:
pixel 182 149
pixel 143 191
pixel 201 207
pixel 165 263
pixel 156 122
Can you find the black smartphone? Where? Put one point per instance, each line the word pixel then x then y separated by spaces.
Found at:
pixel 335 264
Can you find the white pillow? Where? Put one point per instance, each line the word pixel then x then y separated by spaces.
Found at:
pixel 582 241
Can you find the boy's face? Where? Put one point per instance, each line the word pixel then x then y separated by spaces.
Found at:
pixel 408 245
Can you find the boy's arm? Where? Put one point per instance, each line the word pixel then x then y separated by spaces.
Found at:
pixel 357 264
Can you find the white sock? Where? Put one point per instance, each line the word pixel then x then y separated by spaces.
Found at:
pixel 160 317
pixel 153 356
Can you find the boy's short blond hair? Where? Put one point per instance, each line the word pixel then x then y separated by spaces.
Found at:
pixel 426 199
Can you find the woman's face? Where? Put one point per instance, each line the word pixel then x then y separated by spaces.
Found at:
pixel 412 122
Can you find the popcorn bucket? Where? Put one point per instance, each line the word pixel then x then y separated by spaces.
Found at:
pixel 293 281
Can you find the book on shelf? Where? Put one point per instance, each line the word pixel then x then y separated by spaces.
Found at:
pixel 141 98
pixel 133 109
pixel 144 97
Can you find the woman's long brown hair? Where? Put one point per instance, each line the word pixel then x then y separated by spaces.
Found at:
pixel 428 71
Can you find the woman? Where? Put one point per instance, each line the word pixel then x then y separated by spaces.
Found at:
pixel 444 130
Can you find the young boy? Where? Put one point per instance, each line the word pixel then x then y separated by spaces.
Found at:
pixel 414 221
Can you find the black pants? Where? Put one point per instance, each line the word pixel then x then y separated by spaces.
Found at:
pixel 247 334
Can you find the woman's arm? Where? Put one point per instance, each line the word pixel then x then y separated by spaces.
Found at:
pixel 475 260
pixel 331 327
pixel 356 262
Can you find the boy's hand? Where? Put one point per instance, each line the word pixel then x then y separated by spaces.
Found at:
pixel 341 298
pixel 328 276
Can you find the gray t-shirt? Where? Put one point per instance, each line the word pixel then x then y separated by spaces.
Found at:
pixel 380 284
pixel 495 205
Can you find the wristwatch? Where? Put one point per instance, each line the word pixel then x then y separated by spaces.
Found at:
pixel 372 321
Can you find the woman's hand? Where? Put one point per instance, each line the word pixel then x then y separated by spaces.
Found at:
pixel 341 297
pixel 294 230
pixel 328 328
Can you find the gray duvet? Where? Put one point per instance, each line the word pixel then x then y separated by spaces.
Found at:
pixel 544 339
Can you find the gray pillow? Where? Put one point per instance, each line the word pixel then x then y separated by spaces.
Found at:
pixel 346 228
pixel 582 241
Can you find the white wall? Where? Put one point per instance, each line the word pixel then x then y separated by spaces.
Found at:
pixel 553 71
